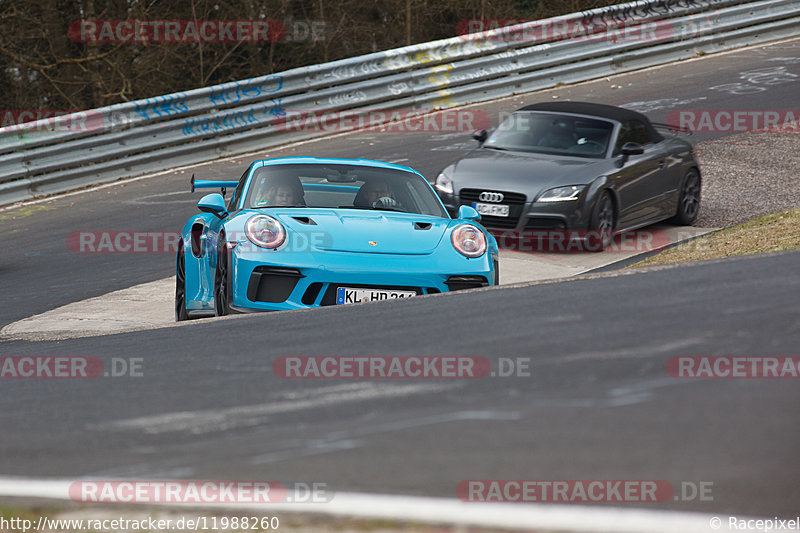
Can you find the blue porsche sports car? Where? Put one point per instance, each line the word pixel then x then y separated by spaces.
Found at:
pixel 304 232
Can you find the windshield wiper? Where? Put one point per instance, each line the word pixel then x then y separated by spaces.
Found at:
pixel 390 209
pixel 496 148
pixel 376 208
pixel 264 206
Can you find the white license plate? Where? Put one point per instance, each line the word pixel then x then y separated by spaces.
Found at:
pixel 354 295
pixel 495 210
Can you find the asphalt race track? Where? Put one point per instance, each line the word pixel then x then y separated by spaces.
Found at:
pixel 598 403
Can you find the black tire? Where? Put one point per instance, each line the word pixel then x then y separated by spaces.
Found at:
pixel 689 201
pixel 601 224
pixel 181 313
pixel 222 292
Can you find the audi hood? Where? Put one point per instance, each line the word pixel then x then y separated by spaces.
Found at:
pixel 522 172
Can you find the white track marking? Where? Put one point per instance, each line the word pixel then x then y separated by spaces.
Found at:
pixel 215 420
pixel 349 439
pixel 542 518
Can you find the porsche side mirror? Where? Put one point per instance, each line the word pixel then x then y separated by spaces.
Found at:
pixel 632 148
pixel 467 212
pixel 213 203
pixel 480 136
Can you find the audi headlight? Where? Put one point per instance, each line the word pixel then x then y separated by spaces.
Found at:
pixel 562 194
pixel 468 240
pixel 265 231
pixel 444 183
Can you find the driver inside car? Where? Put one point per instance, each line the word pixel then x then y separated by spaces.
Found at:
pixel 281 191
pixel 375 194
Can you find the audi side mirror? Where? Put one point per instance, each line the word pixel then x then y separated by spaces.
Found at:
pixel 632 148
pixel 480 136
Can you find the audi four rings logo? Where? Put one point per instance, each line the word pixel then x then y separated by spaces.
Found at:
pixel 487 196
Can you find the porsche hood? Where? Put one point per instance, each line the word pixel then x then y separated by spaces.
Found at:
pixel 362 231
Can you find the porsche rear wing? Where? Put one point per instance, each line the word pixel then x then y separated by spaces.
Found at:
pixel 213 184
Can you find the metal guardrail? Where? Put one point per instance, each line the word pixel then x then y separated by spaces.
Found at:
pixel 159 133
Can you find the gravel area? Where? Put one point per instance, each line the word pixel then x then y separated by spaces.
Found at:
pixel 748 175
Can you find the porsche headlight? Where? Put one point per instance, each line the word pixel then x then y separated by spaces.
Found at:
pixel 468 240
pixel 444 184
pixel 562 194
pixel 265 231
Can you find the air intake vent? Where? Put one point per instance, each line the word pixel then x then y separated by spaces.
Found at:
pixel 460 283
pixel 423 225
pixel 272 284
pixel 305 220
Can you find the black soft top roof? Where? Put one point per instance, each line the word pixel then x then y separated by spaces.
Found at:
pixel 620 114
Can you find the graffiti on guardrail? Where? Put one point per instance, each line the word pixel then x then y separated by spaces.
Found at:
pixel 226 121
pixel 234 120
pixel 233 92
pixel 632 22
pixel 399 87
pixel 647 9
pixel 490 71
pixel 351 97
pixel 420 56
pixel 162 106
pixel 349 71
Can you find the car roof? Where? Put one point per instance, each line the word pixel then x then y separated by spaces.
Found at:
pixel 620 114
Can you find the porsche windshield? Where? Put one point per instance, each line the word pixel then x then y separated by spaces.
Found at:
pixel 552 133
pixel 343 187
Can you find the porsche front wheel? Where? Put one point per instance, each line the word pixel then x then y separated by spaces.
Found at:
pixel 181 313
pixel 221 283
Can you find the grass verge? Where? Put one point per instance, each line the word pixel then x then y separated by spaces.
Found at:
pixel 775 232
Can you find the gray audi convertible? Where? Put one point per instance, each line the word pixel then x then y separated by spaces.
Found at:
pixel 575 166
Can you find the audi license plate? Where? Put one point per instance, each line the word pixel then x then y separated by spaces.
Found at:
pixel 354 295
pixel 495 210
